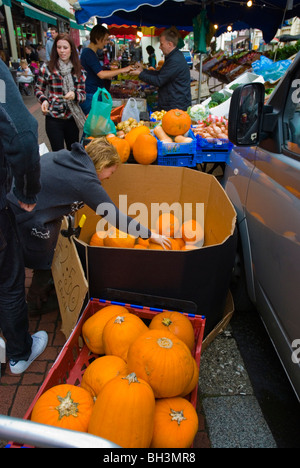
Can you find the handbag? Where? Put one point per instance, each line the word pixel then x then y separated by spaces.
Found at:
pixel 98 122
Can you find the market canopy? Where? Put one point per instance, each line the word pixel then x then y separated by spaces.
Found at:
pixel 267 16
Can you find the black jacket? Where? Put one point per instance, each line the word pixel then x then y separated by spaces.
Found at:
pixel 19 148
pixel 173 81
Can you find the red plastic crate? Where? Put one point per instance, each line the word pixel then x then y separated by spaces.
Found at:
pixel 75 356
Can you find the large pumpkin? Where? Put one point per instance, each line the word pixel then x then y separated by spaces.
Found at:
pixel 131 136
pixel 176 122
pixel 194 380
pixel 124 412
pixel 168 224
pixel 100 371
pixel 192 231
pixel 92 328
pixel 175 423
pixel 162 360
pixel 116 238
pixel 122 146
pixel 176 323
pixel 97 238
pixel 65 406
pixel 120 332
pixel 145 149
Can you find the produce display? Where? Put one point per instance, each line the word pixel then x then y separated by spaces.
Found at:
pixel 124 398
pixel 187 236
pixel 212 127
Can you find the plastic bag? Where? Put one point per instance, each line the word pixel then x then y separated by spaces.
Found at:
pixel 131 110
pixel 98 122
pixel 269 70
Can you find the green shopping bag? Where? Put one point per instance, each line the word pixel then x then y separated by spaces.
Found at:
pixel 98 122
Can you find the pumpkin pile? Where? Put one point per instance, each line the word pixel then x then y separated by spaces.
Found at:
pixel 133 394
pixel 174 125
pixel 188 236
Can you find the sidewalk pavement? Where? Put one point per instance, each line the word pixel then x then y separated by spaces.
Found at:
pixel 228 412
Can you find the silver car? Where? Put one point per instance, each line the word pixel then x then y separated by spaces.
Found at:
pixel 262 179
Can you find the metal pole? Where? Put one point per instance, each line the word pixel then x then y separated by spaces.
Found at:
pixel 200 79
pixel 43 436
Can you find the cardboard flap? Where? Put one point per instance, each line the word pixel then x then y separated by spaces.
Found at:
pixel 70 283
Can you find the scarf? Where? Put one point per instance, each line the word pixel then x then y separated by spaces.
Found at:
pixel 68 85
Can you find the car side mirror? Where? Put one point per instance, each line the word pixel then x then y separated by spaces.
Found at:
pixel 245 114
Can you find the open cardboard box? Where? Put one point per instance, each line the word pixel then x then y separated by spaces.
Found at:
pixel 195 281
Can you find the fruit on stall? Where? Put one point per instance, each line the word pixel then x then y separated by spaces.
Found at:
pixel 92 329
pixel 100 371
pixel 97 239
pixel 161 134
pixel 122 146
pixel 145 149
pixel 176 122
pixel 162 360
pixel 167 224
pixel 192 231
pixel 120 332
pixel 175 423
pixel 129 124
pixel 176 323
pixel 116 238
pixel 132 135
pixel 124 412
pixel 65 406
pixel 194 381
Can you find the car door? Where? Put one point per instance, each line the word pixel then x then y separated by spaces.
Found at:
pixel 273 217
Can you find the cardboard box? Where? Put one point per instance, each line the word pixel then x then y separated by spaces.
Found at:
pixel 194 281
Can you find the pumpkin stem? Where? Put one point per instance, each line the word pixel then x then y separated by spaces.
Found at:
pixel 165 342
pixel 166 321
pixel 67 406
pixel 177 416
pixel 119 319
pixel 132 378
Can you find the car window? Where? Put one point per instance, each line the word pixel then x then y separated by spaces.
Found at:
pixel 291 117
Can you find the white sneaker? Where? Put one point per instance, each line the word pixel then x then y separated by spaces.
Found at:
pixel 39 343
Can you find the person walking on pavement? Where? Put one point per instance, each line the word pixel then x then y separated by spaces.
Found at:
pixel 19 158
pixel 174 78
pixel 65 80
pixel 50 42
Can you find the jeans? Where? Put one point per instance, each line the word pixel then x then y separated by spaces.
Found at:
pixel 13 308
pixel 60 131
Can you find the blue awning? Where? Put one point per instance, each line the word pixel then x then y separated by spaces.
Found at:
pixel 266 16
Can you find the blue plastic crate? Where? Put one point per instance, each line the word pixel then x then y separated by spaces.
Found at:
pixel 219 144
pixel 181 160
pixel 211 156
pixel 169 149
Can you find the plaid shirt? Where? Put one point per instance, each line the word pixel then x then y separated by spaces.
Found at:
pixel 58 107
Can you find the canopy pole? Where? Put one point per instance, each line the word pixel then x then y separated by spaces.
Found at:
pixel 200 79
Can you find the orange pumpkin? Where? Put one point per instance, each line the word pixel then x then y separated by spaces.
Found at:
pixel 97 238
pixel 193 382
pixel 122 146
pixel 162 360
pixel 132 135
pixel 175 245
pixel 100 371
pixel 145 149
pixel 92 329
pixel 168 224
pixel 176 122
pixel 116 238
pixel 65 406
pixel 143 242
pixel 120 332
pixel 175 423
pixel 176 323
pixel 124 412
pixel 153 246
pixel 192 231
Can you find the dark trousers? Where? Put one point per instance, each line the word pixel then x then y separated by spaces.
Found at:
pixel 61 131
pixel 13 307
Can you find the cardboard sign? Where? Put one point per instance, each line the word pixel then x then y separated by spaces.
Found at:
pixel 70 283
